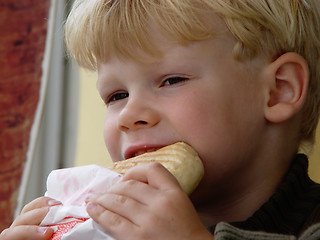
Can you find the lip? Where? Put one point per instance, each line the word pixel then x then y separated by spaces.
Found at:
pixel 137 150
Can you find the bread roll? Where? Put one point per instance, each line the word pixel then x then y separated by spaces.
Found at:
pixel 180 159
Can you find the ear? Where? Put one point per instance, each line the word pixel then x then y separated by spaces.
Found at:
pixel 288 78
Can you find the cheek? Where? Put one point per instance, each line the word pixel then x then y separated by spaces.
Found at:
pixel 195 117
pixel 205 123
pixel 110 135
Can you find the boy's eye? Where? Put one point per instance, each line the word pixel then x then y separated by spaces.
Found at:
pixel 174 80
pixel 117 96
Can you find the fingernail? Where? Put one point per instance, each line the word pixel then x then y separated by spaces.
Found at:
pixel 4 232
pixel 53 202
pixel 89 197
pixel 42 230
pixel 91 205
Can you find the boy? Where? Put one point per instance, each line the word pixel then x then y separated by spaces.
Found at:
pixel 237 80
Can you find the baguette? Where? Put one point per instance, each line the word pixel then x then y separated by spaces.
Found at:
pixel 181 160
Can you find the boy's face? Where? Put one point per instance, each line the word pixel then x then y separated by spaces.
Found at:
pixel 197 94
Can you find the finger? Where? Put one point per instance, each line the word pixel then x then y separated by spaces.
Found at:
pixel 111 222
pixel 26 233
pixel 32 217
pixel 146 183
pixel 39 203
pixel 153 174
pixel 122 205
pixel 137 190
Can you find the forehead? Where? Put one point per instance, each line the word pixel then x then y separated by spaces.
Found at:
pixel 174 56
pixel 190 58
pixel 157 42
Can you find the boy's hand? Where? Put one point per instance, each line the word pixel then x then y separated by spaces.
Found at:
pixel 147 204
pixel 26 225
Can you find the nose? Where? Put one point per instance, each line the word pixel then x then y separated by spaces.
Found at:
pixel 138 113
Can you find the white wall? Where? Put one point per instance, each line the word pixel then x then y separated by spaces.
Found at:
pixel 91 148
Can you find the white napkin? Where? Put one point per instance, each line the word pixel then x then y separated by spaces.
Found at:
pixel 71 186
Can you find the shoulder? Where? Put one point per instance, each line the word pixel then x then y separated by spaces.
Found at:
pixel 312 233
pixel 226 231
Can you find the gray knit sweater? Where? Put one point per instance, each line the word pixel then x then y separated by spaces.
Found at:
pixel 225 231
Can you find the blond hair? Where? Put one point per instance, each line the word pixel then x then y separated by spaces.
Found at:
pixel 97 28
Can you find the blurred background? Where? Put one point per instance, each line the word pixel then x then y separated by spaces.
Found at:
pixel 62 117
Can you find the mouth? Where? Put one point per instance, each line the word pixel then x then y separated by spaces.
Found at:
pixel 137 152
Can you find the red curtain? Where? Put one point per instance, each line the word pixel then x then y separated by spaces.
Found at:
pixel 23 28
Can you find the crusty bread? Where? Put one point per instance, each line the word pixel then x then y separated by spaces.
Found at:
pixel 180 159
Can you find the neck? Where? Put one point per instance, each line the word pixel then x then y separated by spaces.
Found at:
pixel 233 203
pixel 237 209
